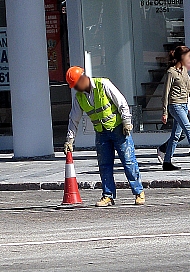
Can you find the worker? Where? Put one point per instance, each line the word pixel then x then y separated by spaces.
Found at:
pixel 110 115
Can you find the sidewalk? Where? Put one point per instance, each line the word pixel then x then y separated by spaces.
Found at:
pixel 48 174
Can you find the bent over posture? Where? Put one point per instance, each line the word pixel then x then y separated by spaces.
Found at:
pixel 109 113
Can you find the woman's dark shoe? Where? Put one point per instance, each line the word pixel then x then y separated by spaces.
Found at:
pixel 168 166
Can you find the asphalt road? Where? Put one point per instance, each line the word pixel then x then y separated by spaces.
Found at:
pixel 35 236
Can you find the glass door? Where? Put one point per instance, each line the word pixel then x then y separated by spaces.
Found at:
pixel 129 43
pixel 107 28
pixel 158 27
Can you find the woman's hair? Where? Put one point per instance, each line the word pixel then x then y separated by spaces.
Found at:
pixel 175 56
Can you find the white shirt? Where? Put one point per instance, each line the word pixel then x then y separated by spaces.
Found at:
pixel 112 92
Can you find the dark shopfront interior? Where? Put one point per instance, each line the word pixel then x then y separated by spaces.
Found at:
pixel 58 62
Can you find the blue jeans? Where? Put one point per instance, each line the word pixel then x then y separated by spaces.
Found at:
pixel 107 142
pixel 181 121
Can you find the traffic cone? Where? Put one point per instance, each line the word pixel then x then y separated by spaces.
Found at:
pixel 71 192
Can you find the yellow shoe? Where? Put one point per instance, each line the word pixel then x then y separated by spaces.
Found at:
pixel 140 199
pixel 105 201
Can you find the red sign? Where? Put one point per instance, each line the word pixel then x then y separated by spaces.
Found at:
pixel 50 5
pixel 54 46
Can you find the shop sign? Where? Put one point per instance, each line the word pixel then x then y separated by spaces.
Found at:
pixel 54 46
pixel 160 5
pixel 50 5
pixel 161 2
pixel 4 66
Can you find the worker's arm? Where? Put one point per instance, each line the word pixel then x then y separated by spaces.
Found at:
pixel 118 99
pixel 74 119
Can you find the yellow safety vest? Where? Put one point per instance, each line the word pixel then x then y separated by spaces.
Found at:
pixel 104 113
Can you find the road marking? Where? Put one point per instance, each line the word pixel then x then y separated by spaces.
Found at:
pixel 94 239
pixel 39 209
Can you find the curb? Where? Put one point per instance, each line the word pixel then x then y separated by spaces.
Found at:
pixel 92 185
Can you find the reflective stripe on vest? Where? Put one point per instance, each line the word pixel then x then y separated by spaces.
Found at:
pixel 104 120
pixel 100 109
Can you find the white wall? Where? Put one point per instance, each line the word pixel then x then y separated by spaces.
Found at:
pixel 6 142
pixel 29 83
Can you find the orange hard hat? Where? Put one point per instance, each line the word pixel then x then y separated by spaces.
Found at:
pixel 73 74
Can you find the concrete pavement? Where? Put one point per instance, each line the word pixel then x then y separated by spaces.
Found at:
pixel 49 173
pixel 125 237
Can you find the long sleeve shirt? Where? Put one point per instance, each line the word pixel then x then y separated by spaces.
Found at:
pixel 177 88
pixel 112 92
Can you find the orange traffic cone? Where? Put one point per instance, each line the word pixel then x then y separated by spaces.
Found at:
pixel 71 192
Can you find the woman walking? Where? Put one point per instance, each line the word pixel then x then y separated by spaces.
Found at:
pixel 175 98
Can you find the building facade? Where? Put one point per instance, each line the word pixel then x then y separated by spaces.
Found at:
pixel 127 41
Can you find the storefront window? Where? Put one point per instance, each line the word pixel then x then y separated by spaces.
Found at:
pixel 129 42
pixel 158 27
pixel 107 29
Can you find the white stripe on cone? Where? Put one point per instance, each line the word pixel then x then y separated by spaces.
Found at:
pixel 70 171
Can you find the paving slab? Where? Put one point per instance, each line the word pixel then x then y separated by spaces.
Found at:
pixel 48 173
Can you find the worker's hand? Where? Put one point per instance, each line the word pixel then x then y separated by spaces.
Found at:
pixel 164 119
pixel 127 127
pixel 68 146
